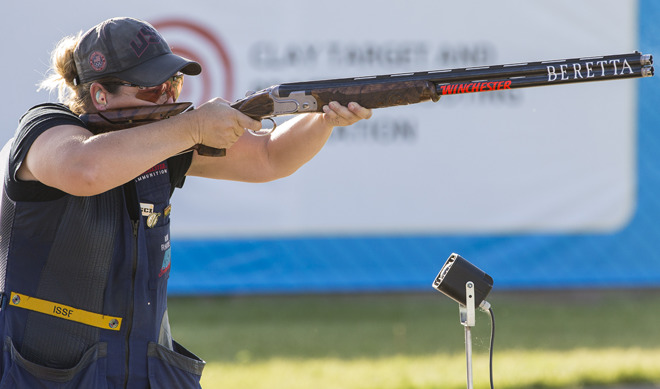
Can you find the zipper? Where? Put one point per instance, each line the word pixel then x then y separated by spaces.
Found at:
pixel 131 307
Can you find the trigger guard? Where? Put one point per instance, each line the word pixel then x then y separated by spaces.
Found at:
pixel 266 131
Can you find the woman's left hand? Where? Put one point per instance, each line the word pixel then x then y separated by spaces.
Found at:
pixel 337 115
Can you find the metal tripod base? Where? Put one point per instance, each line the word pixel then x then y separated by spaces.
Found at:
pixel 467 316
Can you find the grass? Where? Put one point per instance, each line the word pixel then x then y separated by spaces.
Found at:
pixel 413 341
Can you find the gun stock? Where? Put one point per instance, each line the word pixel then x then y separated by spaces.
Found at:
pixel 123 118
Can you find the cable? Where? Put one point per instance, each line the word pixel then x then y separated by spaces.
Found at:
pixel 492 341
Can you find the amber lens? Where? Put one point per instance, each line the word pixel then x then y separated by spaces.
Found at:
pixel 176 84
pixel 170 88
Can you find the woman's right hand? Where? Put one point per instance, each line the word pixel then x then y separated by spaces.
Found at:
pixel 217 124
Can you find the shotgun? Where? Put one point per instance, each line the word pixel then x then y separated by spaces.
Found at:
pixel 398 89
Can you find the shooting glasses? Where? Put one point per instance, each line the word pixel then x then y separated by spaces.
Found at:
pixel 154 94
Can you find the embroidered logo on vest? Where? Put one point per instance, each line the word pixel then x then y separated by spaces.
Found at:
pixel 167 256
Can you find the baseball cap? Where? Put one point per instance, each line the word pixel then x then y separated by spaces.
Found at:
pixel 131 50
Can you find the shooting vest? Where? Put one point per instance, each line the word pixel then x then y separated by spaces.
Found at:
pixel 84 282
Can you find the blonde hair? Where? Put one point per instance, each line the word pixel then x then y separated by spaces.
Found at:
pixel 62 74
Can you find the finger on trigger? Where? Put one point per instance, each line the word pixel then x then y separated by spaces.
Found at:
pixel 245 121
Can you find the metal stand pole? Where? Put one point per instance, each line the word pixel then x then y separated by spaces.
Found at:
pixel 467 317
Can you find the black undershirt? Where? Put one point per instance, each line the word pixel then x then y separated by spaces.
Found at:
pixel 43 117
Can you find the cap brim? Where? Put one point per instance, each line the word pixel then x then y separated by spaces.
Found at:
pixel 157 70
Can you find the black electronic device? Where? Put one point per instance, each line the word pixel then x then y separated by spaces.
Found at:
pixel 455 273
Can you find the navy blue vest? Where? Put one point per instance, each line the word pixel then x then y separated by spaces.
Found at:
pixel 76 263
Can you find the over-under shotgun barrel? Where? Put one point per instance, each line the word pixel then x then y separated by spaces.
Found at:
pixel 411 88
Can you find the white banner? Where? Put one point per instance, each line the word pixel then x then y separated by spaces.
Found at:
pixel 551 159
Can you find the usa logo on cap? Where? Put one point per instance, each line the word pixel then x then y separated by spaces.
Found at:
pixel 97 61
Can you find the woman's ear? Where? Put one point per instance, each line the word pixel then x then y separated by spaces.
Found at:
pixel 99 96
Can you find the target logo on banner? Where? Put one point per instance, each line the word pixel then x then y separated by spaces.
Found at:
pixel 195 42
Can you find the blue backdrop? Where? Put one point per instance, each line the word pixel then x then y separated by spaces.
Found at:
pixel 627 258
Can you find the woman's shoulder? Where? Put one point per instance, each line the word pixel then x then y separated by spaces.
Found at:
pixel 41 117
pixel 48 110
